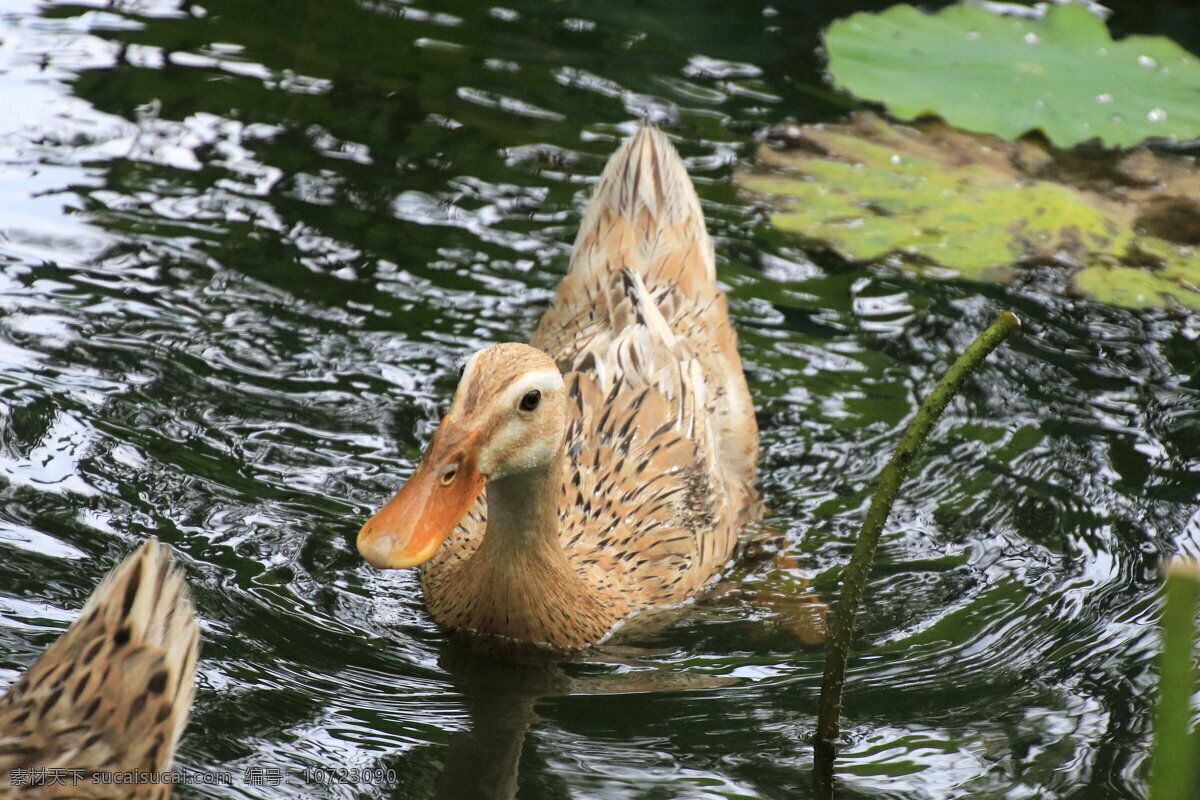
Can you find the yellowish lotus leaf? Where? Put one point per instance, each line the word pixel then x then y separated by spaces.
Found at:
pixel 945 202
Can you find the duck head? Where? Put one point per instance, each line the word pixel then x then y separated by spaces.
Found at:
pixel 508 418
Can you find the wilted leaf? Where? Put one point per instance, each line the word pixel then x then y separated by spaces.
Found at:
pixel 1007 75
pixel 944 201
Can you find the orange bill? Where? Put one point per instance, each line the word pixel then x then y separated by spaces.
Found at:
pixel 407 531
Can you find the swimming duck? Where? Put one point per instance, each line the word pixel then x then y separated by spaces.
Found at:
pixel 606 468
pixel 111 695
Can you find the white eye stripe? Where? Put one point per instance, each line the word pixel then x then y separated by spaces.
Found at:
pixel 544 381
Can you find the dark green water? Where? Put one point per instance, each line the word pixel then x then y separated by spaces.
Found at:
pixel 244 246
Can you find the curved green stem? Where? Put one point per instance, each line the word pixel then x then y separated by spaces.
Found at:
pixel 855 578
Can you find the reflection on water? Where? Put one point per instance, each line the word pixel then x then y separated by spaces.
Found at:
pixel 243 247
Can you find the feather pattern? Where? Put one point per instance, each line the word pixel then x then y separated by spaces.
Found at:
pixel 110 695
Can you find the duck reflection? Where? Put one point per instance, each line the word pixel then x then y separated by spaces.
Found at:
pixel 502 685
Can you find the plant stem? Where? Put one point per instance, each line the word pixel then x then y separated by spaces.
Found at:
pixel 855 577
pixel 1173 759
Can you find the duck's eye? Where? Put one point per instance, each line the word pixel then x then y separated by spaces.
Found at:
pixel 448 474
pixel 530 401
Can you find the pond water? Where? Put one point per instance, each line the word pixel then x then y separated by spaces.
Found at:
pixel 244 247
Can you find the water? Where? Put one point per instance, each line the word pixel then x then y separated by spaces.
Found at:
pixel 243 247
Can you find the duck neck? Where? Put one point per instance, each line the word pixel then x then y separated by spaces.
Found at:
pixel 522 520
pixel 520 584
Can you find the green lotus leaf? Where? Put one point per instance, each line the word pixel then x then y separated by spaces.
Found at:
pixel 1062 74
pixel 944 202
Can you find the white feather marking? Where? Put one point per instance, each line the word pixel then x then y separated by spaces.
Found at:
pixel 544 380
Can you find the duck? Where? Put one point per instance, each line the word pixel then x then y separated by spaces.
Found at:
pixel 607 468
pixel 112 695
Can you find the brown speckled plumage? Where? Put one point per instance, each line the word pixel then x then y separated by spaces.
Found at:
pixel 112 694
pixel 655 476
